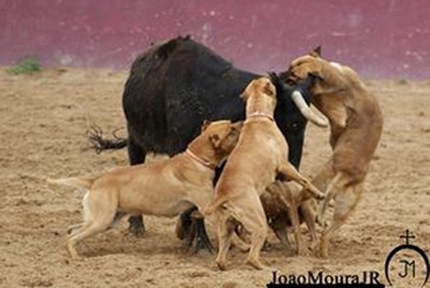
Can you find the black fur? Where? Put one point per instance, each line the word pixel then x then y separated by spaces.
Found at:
pixel 174 87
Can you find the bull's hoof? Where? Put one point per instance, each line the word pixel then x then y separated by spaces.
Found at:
pixel 203 244
pixel 136 227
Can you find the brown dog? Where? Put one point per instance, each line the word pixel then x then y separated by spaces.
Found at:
pixel 164 188
pixel 281 218
pixel 356 126
pixel 259 157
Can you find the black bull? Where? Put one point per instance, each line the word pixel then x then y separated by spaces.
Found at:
pixel 173 88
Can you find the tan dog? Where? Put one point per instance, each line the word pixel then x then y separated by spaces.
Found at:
pixel 281 218
pixel 259 157
pixel 164 188
pixel 356 126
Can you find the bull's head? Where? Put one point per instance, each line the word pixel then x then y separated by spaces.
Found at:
pixel 299 95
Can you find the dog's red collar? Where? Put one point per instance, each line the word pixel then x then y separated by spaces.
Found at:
pixel 200 160
pixel 260 115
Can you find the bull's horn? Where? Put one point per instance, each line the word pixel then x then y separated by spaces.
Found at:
pixel 297 98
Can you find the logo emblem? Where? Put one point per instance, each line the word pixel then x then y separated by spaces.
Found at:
pixel 407 268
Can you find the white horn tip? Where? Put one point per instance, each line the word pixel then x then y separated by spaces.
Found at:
pixel 321 122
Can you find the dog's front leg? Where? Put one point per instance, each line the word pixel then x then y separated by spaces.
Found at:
pixel 294 217
pixel 289 172
pixel 309 217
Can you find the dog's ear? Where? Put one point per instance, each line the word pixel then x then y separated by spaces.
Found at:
pixel 205 125
pixel 316 52
pixel 215 140
pixel 244 96
pixel 237 126
pixel 267 89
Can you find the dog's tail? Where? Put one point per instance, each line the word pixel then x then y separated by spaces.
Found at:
pixel 73 182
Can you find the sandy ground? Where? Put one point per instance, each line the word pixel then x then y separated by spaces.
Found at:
pixel 44 119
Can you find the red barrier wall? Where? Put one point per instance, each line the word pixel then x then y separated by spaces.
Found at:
pixel 379 38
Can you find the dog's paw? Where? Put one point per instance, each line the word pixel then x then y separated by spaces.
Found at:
pixel 315 192
pixel 321 221
pixel 303 251
pixel 323 250
pixel 319 197
pixel 256 264
pixel 222 265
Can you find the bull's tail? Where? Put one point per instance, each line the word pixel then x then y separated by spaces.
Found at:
pixel 73 182
pixel 100 143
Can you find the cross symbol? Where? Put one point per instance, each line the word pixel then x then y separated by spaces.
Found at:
pixel 407 236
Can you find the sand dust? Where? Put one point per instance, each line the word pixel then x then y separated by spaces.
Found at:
pixel 44 119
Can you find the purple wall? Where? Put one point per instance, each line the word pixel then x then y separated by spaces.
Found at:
pixel 380 39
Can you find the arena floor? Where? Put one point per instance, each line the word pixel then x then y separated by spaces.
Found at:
pixel 44 118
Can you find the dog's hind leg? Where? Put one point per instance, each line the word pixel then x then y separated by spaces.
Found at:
pixel 239 243
pixel 73 240
pixel 324 176
pixel 224 232
pixel 256 223
pixel 345 203
pixel 308 213
pixel 85 231
pixel 99 211
pixel 73 227
pixel 251 216
pixel 295 222
pixel 98 222
pixel 337 184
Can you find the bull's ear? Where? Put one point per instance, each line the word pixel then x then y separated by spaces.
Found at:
pixel 215 140
pixel 316 52
pixel 205 125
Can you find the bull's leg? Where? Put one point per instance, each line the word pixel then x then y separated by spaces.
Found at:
pixel 136 155
pixel 202 242
pixel 184 226
pixel 193 228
